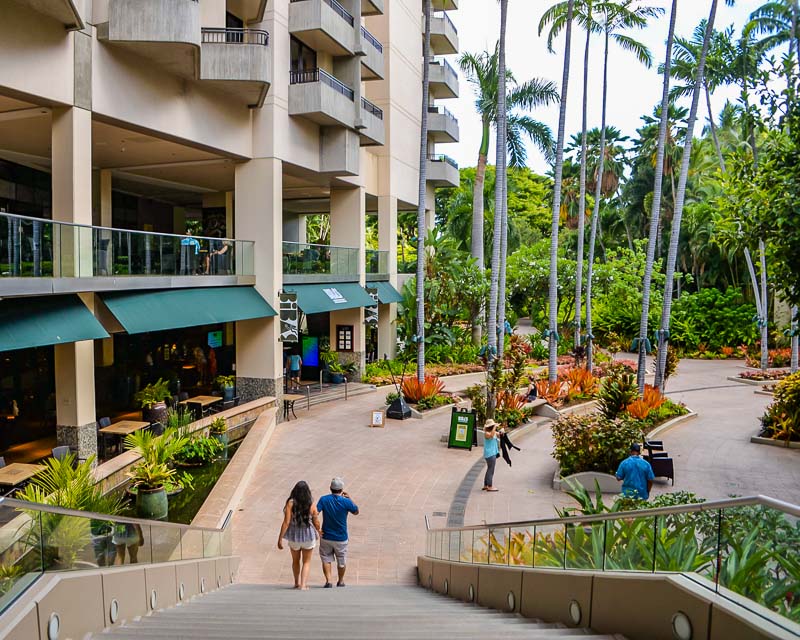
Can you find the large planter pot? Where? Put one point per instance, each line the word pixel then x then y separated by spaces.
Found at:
pixel 152 504
pixel 156 413
pixel 227 394
pixel 222 438
pixel 336 378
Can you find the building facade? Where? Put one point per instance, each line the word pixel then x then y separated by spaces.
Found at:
pixel 176 176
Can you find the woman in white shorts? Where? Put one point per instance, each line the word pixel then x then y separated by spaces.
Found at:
pixel 301 530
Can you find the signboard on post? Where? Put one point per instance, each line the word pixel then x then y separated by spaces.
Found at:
pixel 371 313
pixel 290 317
pixel 462 429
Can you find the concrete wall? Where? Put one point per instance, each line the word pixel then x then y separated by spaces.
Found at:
pixel 246 62
pixel 311 16
pixel 639 606
pixel 174 21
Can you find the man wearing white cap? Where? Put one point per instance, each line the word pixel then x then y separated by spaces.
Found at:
pixel 335 507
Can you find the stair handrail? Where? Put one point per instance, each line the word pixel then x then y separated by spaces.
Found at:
pixel 712 505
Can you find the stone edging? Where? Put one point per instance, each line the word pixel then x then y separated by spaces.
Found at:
pixel 754 383
pixel 421 415
pixel 579 409
pixel 604 479
pixel 774 443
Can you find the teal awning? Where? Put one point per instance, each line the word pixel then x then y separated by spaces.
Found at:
pixel 42 321
pixel 142 311
pixel 386 292
pixel 319 298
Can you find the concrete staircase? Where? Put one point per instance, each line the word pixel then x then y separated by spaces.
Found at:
pixel 353 613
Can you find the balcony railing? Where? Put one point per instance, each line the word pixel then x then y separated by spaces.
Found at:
pixel 235 36
pixel 377 262
pixel 371 39
pixel 443 15
pixel 320 75
pixel 440 157
pixel 319 259
pixel 367 106
pixel 33 247
pixel 339 9
pixel 444 111
pixel 448 68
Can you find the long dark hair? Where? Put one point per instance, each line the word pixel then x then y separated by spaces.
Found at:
pixel 301 503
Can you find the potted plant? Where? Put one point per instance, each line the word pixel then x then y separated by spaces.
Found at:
pixel 152 400
pixel 226 383
pixel 219 430
pixel 153 472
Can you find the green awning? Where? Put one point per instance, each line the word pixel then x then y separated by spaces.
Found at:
pixel 41 321
pixel 141 311
pixel 319 298
pixel 386 292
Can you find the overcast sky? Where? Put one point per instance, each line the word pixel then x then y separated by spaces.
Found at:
pixel 633 89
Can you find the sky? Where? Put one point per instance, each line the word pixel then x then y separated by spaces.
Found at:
pixel 633 89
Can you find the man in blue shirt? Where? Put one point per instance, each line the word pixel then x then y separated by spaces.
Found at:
pixel 335 508
pixel 636 475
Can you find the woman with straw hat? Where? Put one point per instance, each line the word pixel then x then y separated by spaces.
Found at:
pixel 491 452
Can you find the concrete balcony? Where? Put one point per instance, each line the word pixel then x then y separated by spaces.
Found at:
pixel 444 35
pixel 445 5
pixel 63 11
pixel 324 25
pixel 164 31
pixel 373 131
pixel 443 171
pixel 442 125
pixel 372 7
pixel 238 62
pixel 320 97
pixel 443 80
pixel 372 64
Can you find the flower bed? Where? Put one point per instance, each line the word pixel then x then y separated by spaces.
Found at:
pixel 782 418
pixel 380 373
pixel 760 376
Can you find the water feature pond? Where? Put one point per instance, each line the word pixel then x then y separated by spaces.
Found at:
pixel 184 506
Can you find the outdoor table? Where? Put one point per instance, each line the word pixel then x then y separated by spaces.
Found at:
pixel 202 401
pixel 16 473
pixel 123 428
pixel 288 403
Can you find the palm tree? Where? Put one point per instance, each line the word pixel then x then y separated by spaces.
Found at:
pixel 584 13
pixel 617 16
pixel 780 22
pixel 423 163
pixel 663 333
pixel 655 215
pixel 481 71
pixel 497 284
pixel 552 331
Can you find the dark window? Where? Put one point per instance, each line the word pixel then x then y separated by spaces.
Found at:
pixel 303 57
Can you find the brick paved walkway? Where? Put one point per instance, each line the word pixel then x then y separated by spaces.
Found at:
pixel 400 473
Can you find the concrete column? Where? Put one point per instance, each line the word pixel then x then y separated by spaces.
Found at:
pixel 259 206
pixel 106 215
pixel 348 229
pixel 230 229
pixel 294 228
pixel 71 143
pixel 387 241
pixel 178 220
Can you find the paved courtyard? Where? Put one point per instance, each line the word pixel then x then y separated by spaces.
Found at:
pixel 400 473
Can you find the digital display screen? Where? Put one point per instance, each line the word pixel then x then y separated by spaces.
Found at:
pixel 215 339
pixel 310 351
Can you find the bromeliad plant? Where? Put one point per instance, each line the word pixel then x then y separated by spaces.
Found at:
pixel 616 393
pixel 414 390
pixel 782 418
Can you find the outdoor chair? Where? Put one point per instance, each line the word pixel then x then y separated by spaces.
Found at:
pixel 59 453
pixel 663 468
pixel 102 423
pixel 157 429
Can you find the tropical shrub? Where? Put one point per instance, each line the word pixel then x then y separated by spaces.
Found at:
pixel 712 318
pixel 199 451
pixel 391 397
pixel 593 442
pixel 616 393
pixel 581 384
pixel 782 418
pixel 218 426
pixel 432 402
pixel 414 390
pixel 775 357
pixel 157 453
pixel 510 409
pixel 153 393
pixel 477 395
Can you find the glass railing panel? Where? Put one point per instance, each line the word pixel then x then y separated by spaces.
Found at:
pixel 687 542
pixel 316 259
pixel 211 544
pixel 760 558
pixel 20 553
pixel 480 546
pixel 583 546
pixel 377 262
pixel 498 545
pixel 454 546
pixel 630 544
pixel 191 544
pixel 520 547
pixel 165 543
pixel 548 548
pixel 466 546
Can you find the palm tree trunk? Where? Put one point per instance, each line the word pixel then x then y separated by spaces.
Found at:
pixel 655 215
pixel 764 306
pixel 477 223
pixel 675 232
pixel 501 287
pixel 552 331
pixel 582 196
pixel 421 226
pixel 795 341
pixel 713 124
pixel 499 179
pixel 598 194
